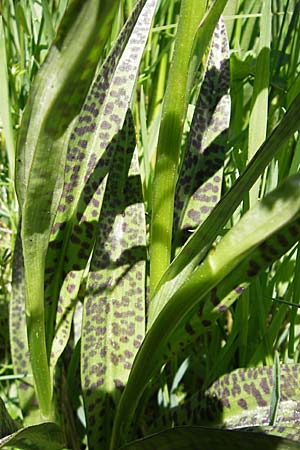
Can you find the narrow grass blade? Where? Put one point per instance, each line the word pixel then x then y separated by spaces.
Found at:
pixel 274 212
pixel 201 438
pixel 84 193
pixel 198 245
pixel 200 182
pixel 55 99
pixel 276 390
pixel 258 120
pixel 5 112
pixel 45 436
pixel 174 112
pixel 114 307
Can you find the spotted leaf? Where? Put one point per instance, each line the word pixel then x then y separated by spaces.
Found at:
pixel 276 210
pixel 238 400
pixel 232 286
pixel 200 181
pixel 18 335
pixel 197 247
pixel 55 99
pixel 94 142
pixel 114 307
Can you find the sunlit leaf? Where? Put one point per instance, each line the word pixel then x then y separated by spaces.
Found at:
pixel 200 181
pixel 114 307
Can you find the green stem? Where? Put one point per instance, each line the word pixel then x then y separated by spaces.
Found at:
pixel 170 136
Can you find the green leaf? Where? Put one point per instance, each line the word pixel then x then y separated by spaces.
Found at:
pixel 114 307
pixel 55 99
pixel 89 160
pixel 200 182
pixel 200 242
pixel 7 424
pixel 264 220
pixel 201 438
pixel 242 398
pixel 44 436
pixel 220 298
pixel 18 336
pixel 5 113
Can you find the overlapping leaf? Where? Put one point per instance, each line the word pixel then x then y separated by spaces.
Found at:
pixel 201 438
pixel 90 155
pixel 55 99
pixel 277 210
pixel 114 307
pixel 45 436
pixel 200 181
pixel 200 242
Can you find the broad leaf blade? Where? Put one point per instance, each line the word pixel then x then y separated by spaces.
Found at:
pixel 199 244
pixel 114 307
pixel 86 193
pixel 200 181
pixel 45 436
pixel 201 438
pixel 55 99
pixel 275 211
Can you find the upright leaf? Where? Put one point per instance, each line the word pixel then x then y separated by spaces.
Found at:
pixel 89 161
pixel 274 212
pixel 194 251
pixel 200 182
pixel 114 307
pixel 18 336
pixel 55 99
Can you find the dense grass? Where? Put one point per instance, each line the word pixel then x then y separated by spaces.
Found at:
pixel 265 79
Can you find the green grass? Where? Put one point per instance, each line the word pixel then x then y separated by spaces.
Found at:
pixel 195 221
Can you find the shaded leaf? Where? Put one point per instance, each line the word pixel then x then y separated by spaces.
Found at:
pixel 89 159
pixel 7 424
pixel 200 242
pixel 200 181
pixel 266 219
pixel 201 438
pixel 45 436
pixel 114 308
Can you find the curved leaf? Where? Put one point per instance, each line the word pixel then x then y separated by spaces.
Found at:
pixel 201 241
pixel 45 436
pixel 55 99
pixel 266 218
pixel 91 154
pixel 201 438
